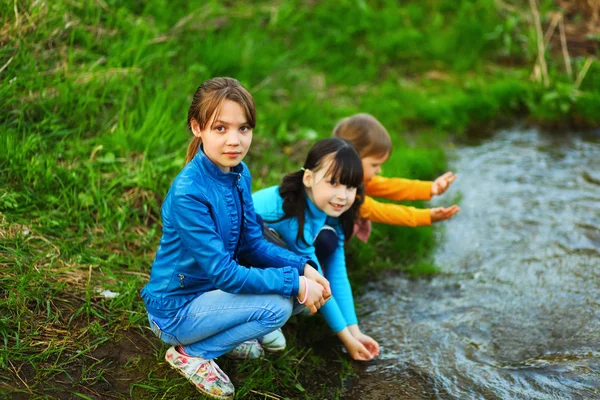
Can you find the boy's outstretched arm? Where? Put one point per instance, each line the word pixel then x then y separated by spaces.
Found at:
pixel 397 214
pixel 394 214
pixel 399 189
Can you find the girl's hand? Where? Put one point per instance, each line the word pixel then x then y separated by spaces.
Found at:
pixel 357 350
pixel 315 298
pixel 370 344
pixel 441 213
pixel 311 273
pixel 441 184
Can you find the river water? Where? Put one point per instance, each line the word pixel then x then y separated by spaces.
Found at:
pixel 515 311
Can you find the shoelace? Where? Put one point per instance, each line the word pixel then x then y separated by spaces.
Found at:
pixel 195 363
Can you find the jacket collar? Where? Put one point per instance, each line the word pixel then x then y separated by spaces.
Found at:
pixel 202 161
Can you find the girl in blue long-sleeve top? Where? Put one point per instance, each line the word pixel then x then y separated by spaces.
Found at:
pixel 321 199
pixel 216 284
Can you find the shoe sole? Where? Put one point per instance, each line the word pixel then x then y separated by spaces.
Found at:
pixel 274 349
pixel 204 393
pixel 243 358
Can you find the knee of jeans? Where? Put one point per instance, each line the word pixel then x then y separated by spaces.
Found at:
pixel 281 311
pixel 162 335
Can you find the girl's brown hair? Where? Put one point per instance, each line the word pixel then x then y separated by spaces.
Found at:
pixel 366 134
pixel 208 100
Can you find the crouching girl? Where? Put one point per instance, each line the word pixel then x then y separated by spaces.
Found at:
pixel 216 284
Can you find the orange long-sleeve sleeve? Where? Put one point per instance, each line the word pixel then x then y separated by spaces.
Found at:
pixel 394 214
pixel 396 189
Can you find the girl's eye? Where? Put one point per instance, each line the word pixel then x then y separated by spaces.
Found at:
pixel 351 187
pixel 245 129
pixel 333 183
pixel 220 129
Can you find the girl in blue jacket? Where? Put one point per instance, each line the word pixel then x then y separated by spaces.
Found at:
pixel 322 199
pixel 216 284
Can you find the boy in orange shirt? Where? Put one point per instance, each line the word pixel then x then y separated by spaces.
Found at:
pixel 374 145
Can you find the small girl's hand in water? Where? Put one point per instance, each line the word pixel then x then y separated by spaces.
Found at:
pixel 370 344
pixel 441 213
pixel 357 350
pixel 441 184
pixel 314 298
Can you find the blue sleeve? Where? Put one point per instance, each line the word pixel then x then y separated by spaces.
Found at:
pixel 337 275
pixel 257 250
pixel 332 311
pixel 194 224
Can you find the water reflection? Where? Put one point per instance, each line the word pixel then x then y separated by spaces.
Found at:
pixel 515 312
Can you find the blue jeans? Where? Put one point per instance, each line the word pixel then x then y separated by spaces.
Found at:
pixel 215 322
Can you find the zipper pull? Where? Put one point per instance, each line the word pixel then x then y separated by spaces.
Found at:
pixel 181 278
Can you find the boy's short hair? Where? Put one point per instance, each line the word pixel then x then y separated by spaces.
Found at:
pixel 366 133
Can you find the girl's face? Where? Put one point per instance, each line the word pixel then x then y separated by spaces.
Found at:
pixel 227 138
pixel 372 166
pixel 329 196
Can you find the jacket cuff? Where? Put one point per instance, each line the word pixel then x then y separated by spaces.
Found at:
pixel 422 217
pixel 291 283
pixel 299 261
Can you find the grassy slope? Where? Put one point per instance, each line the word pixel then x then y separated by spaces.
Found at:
pixel 94 99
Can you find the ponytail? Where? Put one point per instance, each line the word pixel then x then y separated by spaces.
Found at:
pixel 291 191
pixel 193 148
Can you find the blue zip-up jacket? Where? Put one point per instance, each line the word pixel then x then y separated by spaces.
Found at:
pixel 339 311
pixel 209 225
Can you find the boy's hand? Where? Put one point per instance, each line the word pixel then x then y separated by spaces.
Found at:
pixel 441 213
pixel 441 184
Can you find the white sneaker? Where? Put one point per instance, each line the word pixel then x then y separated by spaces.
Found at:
pixel 246 350
pixel 274 341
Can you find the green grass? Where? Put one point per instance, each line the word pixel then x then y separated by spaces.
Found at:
pixel 94 98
